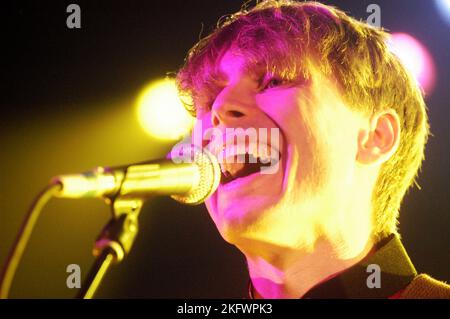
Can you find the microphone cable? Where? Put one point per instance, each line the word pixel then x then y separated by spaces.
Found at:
pixel 23 237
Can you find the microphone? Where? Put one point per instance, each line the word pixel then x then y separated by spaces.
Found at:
pixel 190 182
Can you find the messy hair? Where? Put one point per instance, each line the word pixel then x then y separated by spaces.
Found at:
pixel 280 35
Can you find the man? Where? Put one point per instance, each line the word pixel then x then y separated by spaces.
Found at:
pixel 352 128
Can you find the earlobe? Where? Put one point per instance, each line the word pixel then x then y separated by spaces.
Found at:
pixel 379 141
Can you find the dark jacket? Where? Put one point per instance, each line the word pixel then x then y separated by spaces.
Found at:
pixel 386 273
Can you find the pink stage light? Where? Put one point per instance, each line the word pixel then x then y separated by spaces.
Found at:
pixel 416 58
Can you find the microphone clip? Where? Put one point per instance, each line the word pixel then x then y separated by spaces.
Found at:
pixel 114 241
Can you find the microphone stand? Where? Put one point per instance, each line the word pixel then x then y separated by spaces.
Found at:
pixel 113 243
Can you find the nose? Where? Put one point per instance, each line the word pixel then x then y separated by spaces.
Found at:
pixel 230 109
pixel 226 117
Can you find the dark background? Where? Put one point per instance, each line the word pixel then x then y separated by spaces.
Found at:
pixel 67 105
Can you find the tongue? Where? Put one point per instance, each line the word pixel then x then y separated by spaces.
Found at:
pixel 244 170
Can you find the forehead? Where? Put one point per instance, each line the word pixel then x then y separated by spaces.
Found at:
pixel 233 64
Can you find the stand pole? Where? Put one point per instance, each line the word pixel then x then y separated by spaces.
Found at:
pixel 96 274
pixel 113 243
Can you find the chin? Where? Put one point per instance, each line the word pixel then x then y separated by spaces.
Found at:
pixel 241 219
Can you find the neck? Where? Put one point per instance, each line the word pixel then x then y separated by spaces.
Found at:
pixel 290 274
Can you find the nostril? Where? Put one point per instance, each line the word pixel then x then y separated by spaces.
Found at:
pixel 235 114
pixel 225 117
pixel 215 121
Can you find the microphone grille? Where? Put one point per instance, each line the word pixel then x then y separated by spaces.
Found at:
pixel 210 174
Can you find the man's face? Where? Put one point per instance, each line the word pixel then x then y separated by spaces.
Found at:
pixel 308 195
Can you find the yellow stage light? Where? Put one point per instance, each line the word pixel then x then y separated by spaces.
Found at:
pixel 161 113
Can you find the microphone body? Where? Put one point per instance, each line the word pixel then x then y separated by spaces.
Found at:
pixel 189 183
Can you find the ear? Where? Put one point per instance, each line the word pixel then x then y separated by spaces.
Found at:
pixel 380 140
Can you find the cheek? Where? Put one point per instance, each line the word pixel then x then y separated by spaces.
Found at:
pixel 320 133
pixel 212 209
pixel 287 109
pixel 281 105
pixel 336 143
pixel 341 131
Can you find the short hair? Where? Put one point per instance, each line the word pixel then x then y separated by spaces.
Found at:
pixel 283 36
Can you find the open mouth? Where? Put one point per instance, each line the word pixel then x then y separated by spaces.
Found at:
pixel 233 171
pixel 248 164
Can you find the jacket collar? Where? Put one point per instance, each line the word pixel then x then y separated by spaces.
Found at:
pixel 389 259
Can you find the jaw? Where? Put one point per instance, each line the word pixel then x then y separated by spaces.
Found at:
pixel 239 208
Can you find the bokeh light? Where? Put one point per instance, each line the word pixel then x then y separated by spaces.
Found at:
pixel 416 58
pixel 161 113
pixel 443 7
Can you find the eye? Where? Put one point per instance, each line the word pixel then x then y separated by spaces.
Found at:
pixel 272 82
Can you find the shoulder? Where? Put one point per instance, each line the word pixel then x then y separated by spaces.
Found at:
pixel 426 287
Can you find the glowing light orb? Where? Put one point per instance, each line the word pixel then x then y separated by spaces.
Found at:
pixel 161 113
pixel 416 58
pixel 443 7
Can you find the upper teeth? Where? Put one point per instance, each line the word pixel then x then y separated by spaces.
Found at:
pixel 233 157
pixel 260 152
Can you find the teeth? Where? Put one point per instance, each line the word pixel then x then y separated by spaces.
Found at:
pixel 233 158
pixel 230 168
pixel 239 151
pixel 265 159
pixel 252 150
